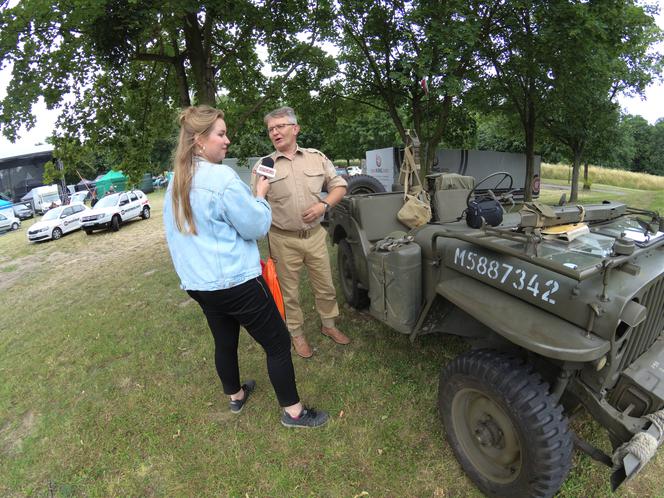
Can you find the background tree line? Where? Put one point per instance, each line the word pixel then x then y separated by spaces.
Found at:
pixel 533 76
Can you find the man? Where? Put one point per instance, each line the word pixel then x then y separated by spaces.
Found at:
pixel 296 238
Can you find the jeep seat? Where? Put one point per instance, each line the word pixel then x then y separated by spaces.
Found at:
pixel 450 193
pixel 378 214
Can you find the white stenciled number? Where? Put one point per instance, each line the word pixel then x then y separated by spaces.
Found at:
pixel 493 270
pixel 533 285
pixel 481 265
pixel 508 270
pixel 522 276
pixel 471 261
pixel 552 287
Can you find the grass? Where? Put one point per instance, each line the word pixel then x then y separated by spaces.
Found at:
pixel 109 388
pixel 605 176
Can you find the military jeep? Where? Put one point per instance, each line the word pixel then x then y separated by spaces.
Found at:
pixel 563 307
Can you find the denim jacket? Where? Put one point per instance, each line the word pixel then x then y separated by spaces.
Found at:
pixel 229 220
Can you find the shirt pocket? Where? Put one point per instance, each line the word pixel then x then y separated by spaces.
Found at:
pixel 314 178
pixel 279 186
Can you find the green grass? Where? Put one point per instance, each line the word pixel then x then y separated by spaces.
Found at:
pixel 109 389
pixel 605 176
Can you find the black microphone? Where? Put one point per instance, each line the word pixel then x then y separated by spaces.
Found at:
pixel 266 168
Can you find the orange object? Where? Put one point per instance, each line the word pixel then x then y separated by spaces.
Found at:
pixel 270 277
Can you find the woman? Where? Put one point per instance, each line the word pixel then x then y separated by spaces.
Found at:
pixel 212 223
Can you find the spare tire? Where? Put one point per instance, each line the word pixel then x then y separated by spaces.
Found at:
pixel 363 184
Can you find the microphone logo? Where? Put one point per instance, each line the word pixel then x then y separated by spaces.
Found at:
pixel 266 168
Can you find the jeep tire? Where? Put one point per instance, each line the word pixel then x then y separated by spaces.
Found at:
pixel 508 433
pixel 363 184
pixel 356 297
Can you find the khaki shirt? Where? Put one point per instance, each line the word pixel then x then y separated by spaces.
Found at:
pixel 297 186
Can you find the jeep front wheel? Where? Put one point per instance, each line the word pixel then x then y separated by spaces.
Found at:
pixel 356 297
pixel 145 213
pixel 510 436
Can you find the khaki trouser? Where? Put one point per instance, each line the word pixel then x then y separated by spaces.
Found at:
pixel 290 254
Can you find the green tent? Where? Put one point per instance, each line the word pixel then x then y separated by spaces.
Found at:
pixel 113 178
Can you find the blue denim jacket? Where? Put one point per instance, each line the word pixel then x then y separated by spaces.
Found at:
pixel 229 220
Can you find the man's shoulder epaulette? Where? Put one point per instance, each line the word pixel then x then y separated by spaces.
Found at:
pixel 314 151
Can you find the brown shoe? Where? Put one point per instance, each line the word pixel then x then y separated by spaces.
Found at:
pixel 302 347
pixel 336 335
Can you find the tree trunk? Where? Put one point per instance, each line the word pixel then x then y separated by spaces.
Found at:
pixel 180 76
pixel 530 153
pixel 576 168
pixel 199 56
pixel 586 182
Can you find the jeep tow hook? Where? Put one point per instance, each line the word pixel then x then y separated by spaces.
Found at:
pixel 631 457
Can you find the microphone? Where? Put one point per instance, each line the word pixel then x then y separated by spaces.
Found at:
pixel 266 168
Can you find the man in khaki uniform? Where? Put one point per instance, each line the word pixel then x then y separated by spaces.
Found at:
pixel 296 237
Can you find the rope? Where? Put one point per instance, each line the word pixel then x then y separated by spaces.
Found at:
pixel 392 243
pixel 643 446
pixel 657 420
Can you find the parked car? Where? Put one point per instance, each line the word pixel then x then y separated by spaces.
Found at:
pixel 78 197
pixel 114 209
pixel 354 170
pixel 57 221
pixel 23 212
pixel 9 222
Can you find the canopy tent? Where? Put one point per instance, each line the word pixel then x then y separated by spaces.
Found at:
pixel 113 179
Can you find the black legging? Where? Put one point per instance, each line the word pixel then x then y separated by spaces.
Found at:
pixel 251 305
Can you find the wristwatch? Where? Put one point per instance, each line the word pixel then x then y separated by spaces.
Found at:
pixel 327 206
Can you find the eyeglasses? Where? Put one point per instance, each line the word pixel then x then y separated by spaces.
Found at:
pixel 279 127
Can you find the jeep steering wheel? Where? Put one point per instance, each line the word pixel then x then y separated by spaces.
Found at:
pixel 504 175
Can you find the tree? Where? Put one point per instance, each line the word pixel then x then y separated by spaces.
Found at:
pixel 413 60
pixel 146 59
pixel 553 61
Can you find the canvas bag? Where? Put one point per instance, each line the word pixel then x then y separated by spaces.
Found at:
pixel 270 276
pixel 416 210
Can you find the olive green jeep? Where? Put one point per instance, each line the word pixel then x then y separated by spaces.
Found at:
pixel 564 310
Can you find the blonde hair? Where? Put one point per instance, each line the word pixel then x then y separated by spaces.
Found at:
pixel 194 122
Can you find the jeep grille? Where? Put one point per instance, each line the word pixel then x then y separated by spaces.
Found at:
pixel 646 333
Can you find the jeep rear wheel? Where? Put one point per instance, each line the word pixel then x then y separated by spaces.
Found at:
pixel 510 436
pixel 145 214
pixel 363 184
pixel 115 223
pixel 56 234
pixel 356 297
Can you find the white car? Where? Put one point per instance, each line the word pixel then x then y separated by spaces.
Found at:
pixel 114 209
pixel 78 196
pixel 57 221
pixel 354 170
pixel 9 222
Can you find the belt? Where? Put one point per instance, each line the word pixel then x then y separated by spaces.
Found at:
pixel 296 234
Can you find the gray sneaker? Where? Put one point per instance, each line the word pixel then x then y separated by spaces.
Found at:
pixel 308 418
pixel 237 404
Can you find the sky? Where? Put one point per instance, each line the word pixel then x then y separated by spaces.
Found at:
pixel 651 107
